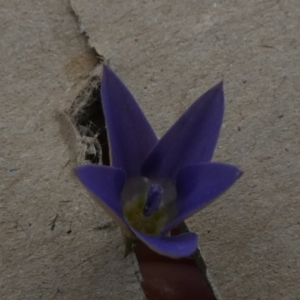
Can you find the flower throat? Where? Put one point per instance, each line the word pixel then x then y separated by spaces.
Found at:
pixel 146 205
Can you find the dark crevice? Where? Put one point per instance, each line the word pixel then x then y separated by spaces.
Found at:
pixel 90 123
pixel 179 279
pixel 87 114
pixel 198 260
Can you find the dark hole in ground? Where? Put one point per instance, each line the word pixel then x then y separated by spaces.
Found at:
pixel 173 279
pixel 90 123
pixel 163 277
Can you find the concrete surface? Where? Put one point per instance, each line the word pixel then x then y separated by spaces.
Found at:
pixel 50 245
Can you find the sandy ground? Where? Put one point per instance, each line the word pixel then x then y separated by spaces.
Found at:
pixel 56 242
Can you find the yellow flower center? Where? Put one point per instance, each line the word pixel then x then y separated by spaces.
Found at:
pixel 147 205
pixel 133 213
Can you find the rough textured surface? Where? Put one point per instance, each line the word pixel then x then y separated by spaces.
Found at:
pixel 56 243
pixel 170 52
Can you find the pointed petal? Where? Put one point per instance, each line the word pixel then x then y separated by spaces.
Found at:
pixel 106 184
pixel 172 246
pixel 191 140
pixel 198 185
pixel 130 135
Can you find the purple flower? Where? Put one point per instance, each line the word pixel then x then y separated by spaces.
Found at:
pixel 154 184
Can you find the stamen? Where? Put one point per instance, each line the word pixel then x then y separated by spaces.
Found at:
pixel 153 200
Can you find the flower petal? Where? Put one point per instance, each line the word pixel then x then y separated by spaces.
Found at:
pixel 198 185
pixel 130 135
pixel 172 246
pixel 191 140
pixel 106 184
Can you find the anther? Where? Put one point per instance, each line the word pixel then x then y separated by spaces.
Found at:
pixel 153 200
